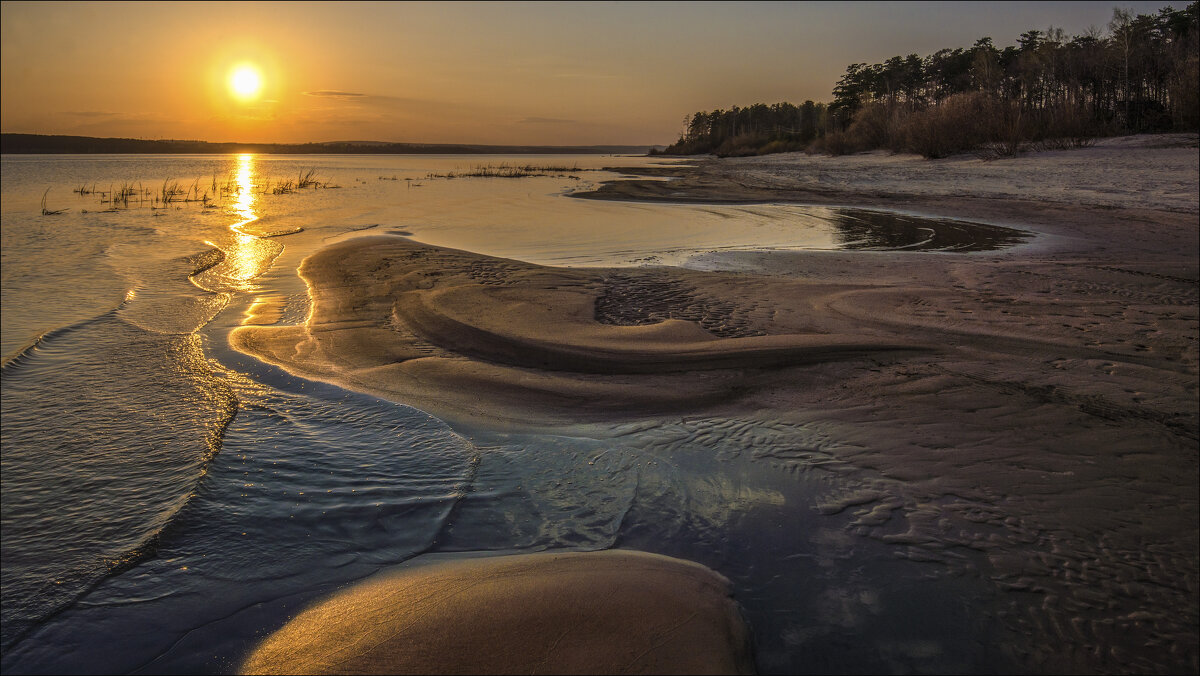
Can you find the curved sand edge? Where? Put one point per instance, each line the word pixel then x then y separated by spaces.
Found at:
pixel 573 612
pixel 462 334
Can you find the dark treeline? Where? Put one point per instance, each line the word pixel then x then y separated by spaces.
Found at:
pixel 45 144
pixel 1141 75
pixel 756 129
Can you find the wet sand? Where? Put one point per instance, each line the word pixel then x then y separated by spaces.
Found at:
pixel 556 613
pixel 1029 415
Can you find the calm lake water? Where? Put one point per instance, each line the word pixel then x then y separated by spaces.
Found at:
pixel 167 501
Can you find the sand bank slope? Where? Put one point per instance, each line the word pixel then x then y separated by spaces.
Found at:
pixel 464 334
pixel 578 612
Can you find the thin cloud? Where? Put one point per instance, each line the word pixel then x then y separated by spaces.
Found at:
pixel 386 104
pixel 360 97
pixel 136 125
pixel 589 76
pixel 334 94
pixel 546 120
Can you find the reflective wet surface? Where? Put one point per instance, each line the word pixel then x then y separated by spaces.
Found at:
pixel 884 230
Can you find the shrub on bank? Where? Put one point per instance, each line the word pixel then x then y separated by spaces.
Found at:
pixel 961 123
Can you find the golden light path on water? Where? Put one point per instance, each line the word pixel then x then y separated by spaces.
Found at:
pixel 244 259
pixel 245 186
pixel 247 256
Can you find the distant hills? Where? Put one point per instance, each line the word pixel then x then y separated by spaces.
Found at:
pixel 41 144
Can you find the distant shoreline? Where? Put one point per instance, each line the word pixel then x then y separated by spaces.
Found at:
pixel 45 144
pixel 1143 171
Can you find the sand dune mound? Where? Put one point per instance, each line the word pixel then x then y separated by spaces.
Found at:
pixel 576 612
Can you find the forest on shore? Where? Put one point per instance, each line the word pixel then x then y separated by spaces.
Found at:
pixel 1049 90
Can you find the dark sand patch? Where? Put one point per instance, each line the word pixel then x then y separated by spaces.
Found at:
pixel 642 299
pixel 576 612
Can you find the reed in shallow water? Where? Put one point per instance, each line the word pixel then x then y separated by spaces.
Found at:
pixel 505 170
pixel 50 212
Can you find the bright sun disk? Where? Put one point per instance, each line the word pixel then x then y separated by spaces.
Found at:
pixel 245 82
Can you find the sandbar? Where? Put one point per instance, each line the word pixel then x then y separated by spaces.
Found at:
pixel 555 612
pixel 465 335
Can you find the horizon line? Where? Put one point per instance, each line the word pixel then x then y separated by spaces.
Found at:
pixel 344 141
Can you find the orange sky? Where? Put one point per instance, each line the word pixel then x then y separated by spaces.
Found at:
pixel 542 73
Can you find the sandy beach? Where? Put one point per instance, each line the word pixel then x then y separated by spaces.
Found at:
pixel 1035 404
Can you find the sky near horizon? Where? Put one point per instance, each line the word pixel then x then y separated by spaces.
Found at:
pixel 497 73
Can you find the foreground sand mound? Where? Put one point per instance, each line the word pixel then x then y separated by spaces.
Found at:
pixel 579 612
pixel 462 334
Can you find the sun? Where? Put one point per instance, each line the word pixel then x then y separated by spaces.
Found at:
pixel 245 82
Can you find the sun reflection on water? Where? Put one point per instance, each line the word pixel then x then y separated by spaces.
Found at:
pixel 247 256
pixel 245 189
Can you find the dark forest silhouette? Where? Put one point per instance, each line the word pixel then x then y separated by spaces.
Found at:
pixel 1050 89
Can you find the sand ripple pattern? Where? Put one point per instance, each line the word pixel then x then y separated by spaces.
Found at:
pixel 639 300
